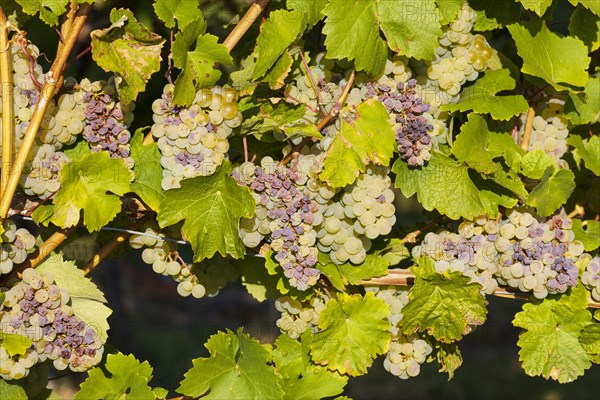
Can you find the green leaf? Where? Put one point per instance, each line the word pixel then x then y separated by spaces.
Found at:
pixel 449 357
pixel 352 32
pixel 301 378
pixel 444 306
pixel 443 184
pixel 535 163
pixel 128 379
pixel 43 214
pixel 184 11
pixel 483 97
pixel 369 138
pixel 406 29
pixel 49 10
pixel 312 9
pixel 147 171
pixel 552 192
pixel 282 68
pixel 448 10
pixel 582 108
pixel 350 274
pixel 592 5
pixel 353 331
pixel 256 279
pixel 11 391
pixel 590 341
pixel 128 49
pixel 588 234
pixel 585 25
pixel 87 301
pixel 558 60
pixel 537 6
pixel 15 344
pixel 236 369
pixel 470 146
pixel 489 16
pixel 211 207
pixel 550 344
pixel 198 66
pixel 84 187
pixel 262 116
pixel 276 35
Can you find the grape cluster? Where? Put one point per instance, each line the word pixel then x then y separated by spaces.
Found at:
pixel 591 276
pixel 106 118
pixel 15 245
pixel 406 109
pixel 193 141
pixel 67 119
pixel 285 212
pixel 38 309
pixel 406 353
pixel 519 252
pixel 297 317
pixel 550 131
pixel 362 212
pixel 26 93
pixel 199 279
pixel 42 178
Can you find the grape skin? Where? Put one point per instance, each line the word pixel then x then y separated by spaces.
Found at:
pixel 15 245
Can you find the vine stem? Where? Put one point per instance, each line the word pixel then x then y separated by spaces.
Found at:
pixel 110 246
pixel 40 110
pixel 311 77
pixel 335 110
pixel 403 277
pixel 7 103
pixel 412 236
pixel 528 126
pixel 245 23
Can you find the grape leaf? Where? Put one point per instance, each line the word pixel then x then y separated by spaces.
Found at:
pixel 87 301
pixel 198 66
pixel 552 192
pixel 128 49
pixel 558 60
pixel 262 116
pixel 535 163
pixel 449 357
pixel 489 16
pixel 448 9
pixel 84 186
pixel 301 378
pixel 12 391
pixel 353 33
pixel 588 235
pixel 353 331
pixel 483 97
pixel 443 184
pixel 582 108
pixel 15 344
pixel 590 341
pixel 369 138
pixel 236 369
pixel 470 146
pixel 49 10
pixel 311 8
pixel 411 27
pixel 537 6
pixel 184 11
pixel 350 274
pixel 211 207
pixel 276 34
pixel 444 306
pixel 147 170
pixel 282 68
pixel 585 25
pixel 256 279
pixel 592 5
pixel 550 344
pixel 128 379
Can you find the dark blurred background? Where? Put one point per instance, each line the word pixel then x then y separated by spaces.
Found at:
pixel 155 324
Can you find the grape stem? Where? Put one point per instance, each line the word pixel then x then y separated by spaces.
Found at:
pixel 579 211
pixel 40 110
pixel 314 84
pixel 110 246
pixel 528 127
pixel 245 142
pixel 403 277
pixel 170 59
pixel 244 24
pixel 412 236
pixel 335 110
pixel 7 103
pixel 78 56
